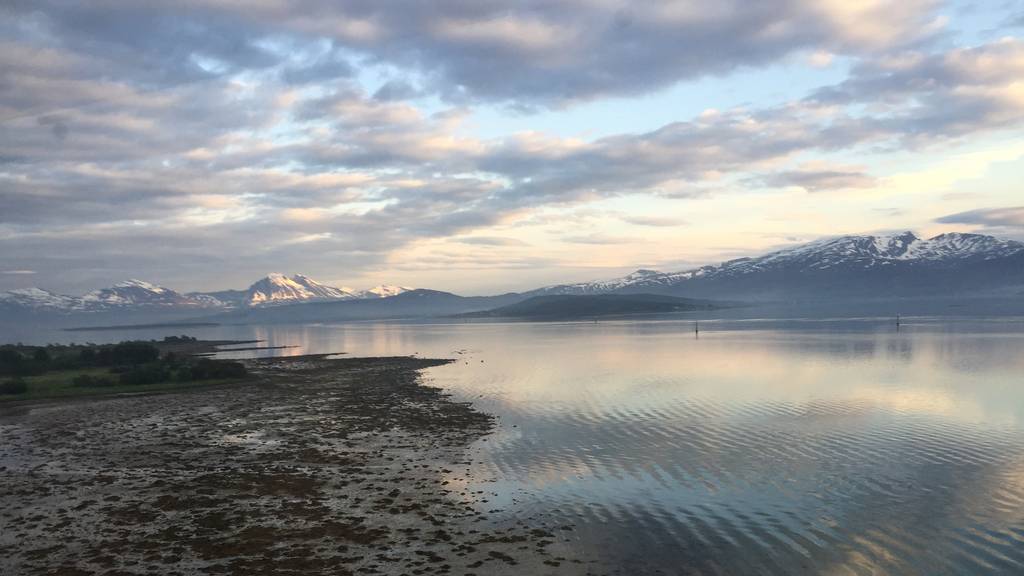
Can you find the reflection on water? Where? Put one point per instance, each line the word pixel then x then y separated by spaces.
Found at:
pixel 760 447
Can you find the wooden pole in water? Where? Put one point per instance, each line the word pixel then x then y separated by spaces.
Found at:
pixel 897 322
pixel 696 327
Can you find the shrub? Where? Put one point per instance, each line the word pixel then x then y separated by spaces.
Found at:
pixel 127 353
pixel 87 356
pixel 87 381
pixel 141 375
pixel 207 369
pixel 135 353
pixel 41 356
pixel 14 386
pixel 12 362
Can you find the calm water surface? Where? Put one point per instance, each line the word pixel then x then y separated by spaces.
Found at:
pixel 777 447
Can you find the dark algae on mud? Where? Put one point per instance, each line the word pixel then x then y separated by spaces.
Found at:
pixel 319 466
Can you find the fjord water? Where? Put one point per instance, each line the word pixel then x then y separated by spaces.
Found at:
pixel 798 446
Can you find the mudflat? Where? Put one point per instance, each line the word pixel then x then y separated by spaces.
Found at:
pixel 315 465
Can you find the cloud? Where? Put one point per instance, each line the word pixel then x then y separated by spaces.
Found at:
pixel 659 221
pixel 445 261
pixel 356 177
pixel 821 177
pixel 131 136
pixel 955 93
pixel 18 272
pixel 396 90
pixel 550 53
pixel 161 43
pixel 328 67
pixel 491 241
pixel 1009 217
pixel 597 239
pixel 820 59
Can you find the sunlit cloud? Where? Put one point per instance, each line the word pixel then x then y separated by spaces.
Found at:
pixel 1009 216
pixel 364 130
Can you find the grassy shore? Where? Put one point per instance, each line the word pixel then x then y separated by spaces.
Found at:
pixel 61 384
pixel 29 373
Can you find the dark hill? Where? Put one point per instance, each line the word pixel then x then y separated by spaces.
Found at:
pixel 569 306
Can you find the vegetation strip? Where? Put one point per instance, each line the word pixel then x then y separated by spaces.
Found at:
pixel 41 372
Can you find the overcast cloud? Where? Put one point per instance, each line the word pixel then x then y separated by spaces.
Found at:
pixel 330 136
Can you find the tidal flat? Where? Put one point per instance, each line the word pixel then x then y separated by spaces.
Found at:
pixel 316 465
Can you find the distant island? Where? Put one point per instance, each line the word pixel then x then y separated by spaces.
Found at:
pixel 578 307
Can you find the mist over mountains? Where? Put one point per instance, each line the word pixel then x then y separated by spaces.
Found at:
pixel 837 269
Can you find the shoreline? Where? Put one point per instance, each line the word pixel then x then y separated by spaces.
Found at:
pixel 318 466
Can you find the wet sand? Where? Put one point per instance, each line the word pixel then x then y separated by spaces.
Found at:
pixel 317 466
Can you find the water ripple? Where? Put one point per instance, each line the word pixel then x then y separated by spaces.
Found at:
pixel 774 487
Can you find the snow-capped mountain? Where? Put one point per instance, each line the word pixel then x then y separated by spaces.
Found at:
pixel 870 251
pixel 901 264
pixel 137 293
pixel 273 289
pixel 277 288
pixel 641 277
pixel 383 291
pixel 39 299
pixel 130 294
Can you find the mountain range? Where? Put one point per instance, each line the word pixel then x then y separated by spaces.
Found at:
pixel 901 265
pixel 273 289
pixel 840 269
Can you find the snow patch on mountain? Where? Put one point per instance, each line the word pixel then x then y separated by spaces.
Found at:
pixel 127 294
pixel 384 291
pixel 37 298
pixel 276 288
pixel 136 293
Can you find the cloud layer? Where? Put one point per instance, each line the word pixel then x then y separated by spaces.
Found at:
pixel 524 52
pixel 1009 217
pixel 134 135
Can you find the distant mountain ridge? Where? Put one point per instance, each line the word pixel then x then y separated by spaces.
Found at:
pixel 136 293
pixel 39 299
pixel 384 291
pixel 273 289
pixel 847 266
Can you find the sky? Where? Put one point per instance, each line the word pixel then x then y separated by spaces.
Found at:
pixel 483 146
